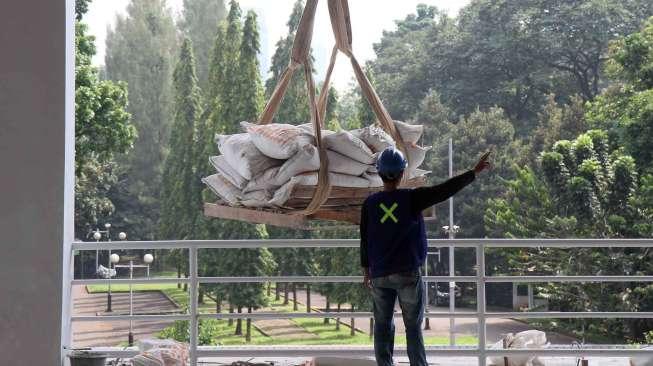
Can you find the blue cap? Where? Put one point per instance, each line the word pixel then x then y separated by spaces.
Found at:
pixel 391 163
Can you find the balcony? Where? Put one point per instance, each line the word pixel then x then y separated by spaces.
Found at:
pixel 488 322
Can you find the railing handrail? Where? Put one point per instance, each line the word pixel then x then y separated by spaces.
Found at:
pixel 481 279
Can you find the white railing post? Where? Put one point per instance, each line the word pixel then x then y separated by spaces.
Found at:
pixel 480 300
pixel 192 253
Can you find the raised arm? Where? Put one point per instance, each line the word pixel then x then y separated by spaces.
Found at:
pixel 424 197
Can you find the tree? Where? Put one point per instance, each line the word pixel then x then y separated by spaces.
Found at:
pixel 472 136
pixel 140 49
pixel 181 202
pixel 103 129
pixel 626 109
pixel 586 189
pixel 501 53
pixel 294 107
pixel 199 23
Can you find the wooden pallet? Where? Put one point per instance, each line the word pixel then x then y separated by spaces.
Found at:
pixel 343 205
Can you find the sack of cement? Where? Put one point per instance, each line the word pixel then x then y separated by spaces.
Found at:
pixel 525 339
pixel 262 166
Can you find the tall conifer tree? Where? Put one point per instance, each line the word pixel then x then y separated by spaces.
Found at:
pixel 140 50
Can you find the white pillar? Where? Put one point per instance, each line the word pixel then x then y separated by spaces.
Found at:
pixel 36 188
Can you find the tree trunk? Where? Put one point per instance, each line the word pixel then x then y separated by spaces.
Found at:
pixel 218 305
pixel 200 295
pixel 286 289
pixel 269 288
pixel 186 284
pixel 338 319
pixel 248 331
pixel 294 297
pixel 328 309
pixel 277 292
pixel 231 311
pixel 178 275
pixel 371 327
pixel 239 323
pixel 352 324
pixel 308 297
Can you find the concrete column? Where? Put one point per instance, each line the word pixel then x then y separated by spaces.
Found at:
pixel 36 179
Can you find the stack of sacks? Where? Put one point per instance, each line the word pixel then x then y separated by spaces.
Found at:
pixel 262 166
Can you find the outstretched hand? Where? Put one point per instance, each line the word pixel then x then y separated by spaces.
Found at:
pixel 483 163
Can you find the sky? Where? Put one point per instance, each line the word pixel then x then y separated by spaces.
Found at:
pixel 369 19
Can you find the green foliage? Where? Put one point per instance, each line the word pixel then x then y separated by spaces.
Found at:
pixel 472 136
pixel 510 54
pixel 180 196
pixel 626 110
pixel 103 129
pixel 140 50
pixel 199 23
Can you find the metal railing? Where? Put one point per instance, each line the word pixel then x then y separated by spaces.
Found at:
pixel 480 279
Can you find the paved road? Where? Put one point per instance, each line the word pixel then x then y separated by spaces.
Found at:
pixel 440 326
pixel 92 334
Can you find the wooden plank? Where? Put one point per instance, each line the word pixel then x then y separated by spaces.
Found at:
pixel 351 192
pixel 289 220
pixel 301 202
pixel 352 215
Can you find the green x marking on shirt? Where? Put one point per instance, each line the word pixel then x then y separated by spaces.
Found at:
pixel 388 212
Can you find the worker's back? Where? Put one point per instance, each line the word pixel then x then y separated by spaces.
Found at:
pixel 395 233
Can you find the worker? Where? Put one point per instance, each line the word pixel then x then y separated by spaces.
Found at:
pixel 393 248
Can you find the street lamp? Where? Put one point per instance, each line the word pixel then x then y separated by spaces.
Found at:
pixel 113 259
pixel 147 258
pixel 452 230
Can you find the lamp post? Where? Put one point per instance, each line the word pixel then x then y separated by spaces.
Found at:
pixel 113 258
pixel 147 258
pixel 451 230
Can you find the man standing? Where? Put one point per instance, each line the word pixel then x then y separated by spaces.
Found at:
pixel 393 248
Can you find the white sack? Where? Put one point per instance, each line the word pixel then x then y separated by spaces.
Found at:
pixel 374 137
pixel 307 159
pixel 263 181
pixel 419 173
pixel 416 155
pixel 409 133
pixel 308 128
pixel 222 166
pixel 258 198
pixel 278 140
pixel 374 179
pixel 243 156
pixel 339 163
pixel 526 339
pixel 349 145
pixel 223 188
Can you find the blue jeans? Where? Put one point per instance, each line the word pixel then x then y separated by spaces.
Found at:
pixel 409 287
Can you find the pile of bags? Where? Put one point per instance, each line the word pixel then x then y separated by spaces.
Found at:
pixel 161 352
pixel 261 166
pixel 525 339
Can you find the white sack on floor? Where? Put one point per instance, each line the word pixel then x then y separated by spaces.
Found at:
pixel 409 133
pixel 161 352
pixel 278 140
pixel 339 361
pixel 223 188
pixel 526 339
pixel 243 156
pixel 222 166
pixel 374 137
pixel 349 145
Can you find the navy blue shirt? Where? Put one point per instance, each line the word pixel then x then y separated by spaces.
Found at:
pixel 393 237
